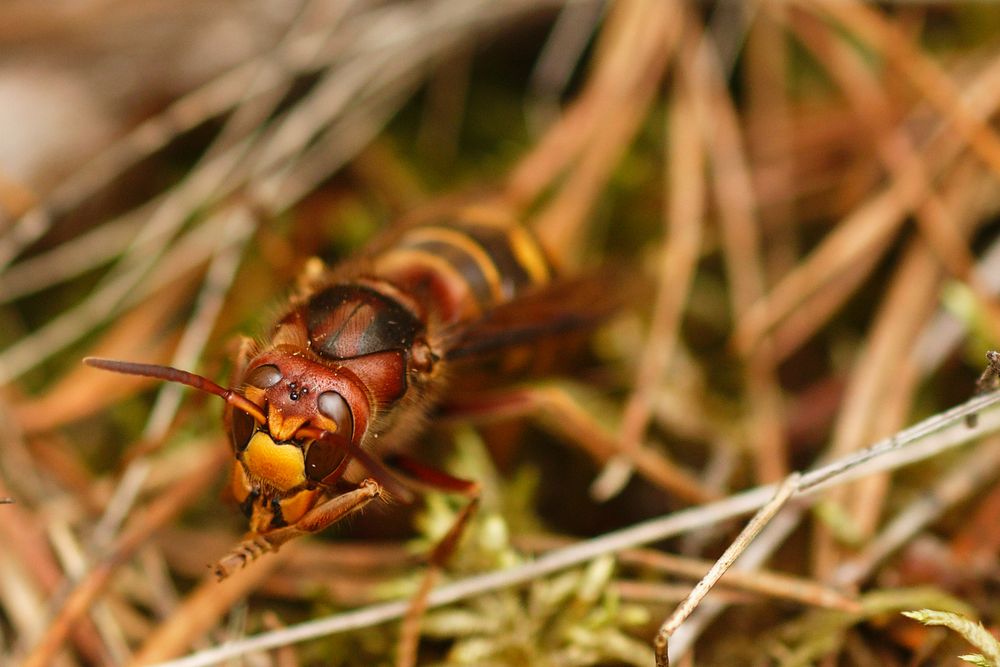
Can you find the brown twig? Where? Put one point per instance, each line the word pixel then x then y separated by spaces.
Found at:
pixel 785 491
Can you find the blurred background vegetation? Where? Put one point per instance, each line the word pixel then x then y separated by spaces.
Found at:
pixel 808 187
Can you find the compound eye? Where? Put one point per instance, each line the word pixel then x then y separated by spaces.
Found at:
pixel 243 427
pixel 333 406
pixel 325 457
pixel 264 376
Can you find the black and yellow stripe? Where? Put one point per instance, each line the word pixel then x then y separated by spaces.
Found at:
pixel 474 262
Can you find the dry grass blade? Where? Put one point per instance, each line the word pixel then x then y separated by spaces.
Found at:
pixel 895 149
pixel 680 250
pixel 119 287
pixel 634 45
pixel 640 40
pixel 64 402
pixel 562 52
pixel 758 581
pixel 923 73
pixel 68 260
pixel 30 560
pixel 976 469
pixel 741 242
pixel 202 609
pixel 878 371
pixel 560 414
pixel 236 231
pixel 804 591
pixel 80 599
pixel 868 227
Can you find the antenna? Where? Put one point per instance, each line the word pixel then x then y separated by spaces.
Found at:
pixel 170 374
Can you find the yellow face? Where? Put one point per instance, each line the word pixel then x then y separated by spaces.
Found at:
pixel 281 465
